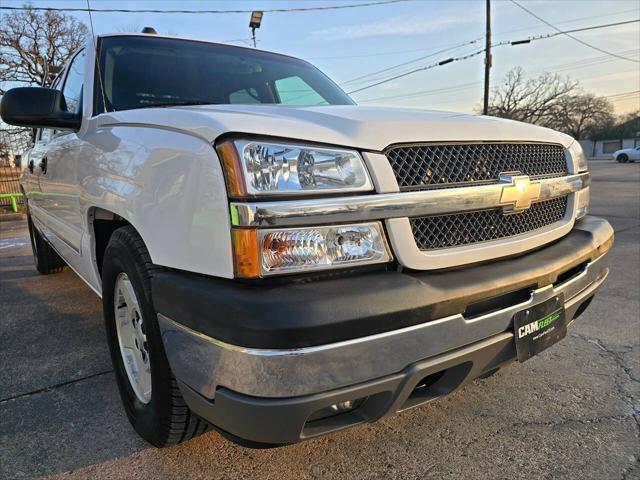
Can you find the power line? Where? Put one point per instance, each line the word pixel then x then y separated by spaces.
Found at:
pixel 375 54
pixel 568 34
pixel 397 52
pixel 583 29
pixel 272 10
pixel 573 20
pixel 499 44
pixel 439 92
pixel 470 42
pixel 426 67
pixel 623 94
pixel 587 62
pixel 436 91
pixel 393 67
pixel 595 27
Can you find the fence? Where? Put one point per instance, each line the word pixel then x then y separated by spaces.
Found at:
pixel 14 145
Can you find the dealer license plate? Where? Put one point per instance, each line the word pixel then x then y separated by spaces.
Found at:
pixel 540 326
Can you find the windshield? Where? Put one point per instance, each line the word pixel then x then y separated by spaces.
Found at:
pixel 139 72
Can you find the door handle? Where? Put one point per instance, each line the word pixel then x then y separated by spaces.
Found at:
pixel 43 165
pixel 30 166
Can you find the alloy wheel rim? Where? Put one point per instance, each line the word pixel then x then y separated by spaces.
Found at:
pixel 132 338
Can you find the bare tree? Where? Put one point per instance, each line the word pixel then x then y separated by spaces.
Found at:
pixel 627 117
pixel 534 100
pixel 34 45
pixel 551 101
pixel 583 115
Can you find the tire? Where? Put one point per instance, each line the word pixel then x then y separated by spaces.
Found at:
pixel 154 404
pixel 45 258
pixel 622 158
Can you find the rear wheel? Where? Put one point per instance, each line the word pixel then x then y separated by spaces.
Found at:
pixel 148 389
pixel 623 158
pixel 45 258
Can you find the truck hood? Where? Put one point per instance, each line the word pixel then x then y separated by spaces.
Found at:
pixel 365 128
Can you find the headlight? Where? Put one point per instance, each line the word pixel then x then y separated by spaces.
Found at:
pixel 270 168
pixel 268 252
pixel 578 157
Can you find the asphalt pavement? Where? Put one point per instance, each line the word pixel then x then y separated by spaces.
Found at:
pixel 571 412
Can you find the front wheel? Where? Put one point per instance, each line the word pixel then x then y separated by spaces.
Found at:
pixel 622 158
pixel 148 389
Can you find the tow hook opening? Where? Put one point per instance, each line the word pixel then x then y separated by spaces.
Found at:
pixel 582 308
pixel 437 384
pixel 345 413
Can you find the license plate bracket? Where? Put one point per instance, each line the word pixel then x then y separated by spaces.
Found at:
pixel 538 327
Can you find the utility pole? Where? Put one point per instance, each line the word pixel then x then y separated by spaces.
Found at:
pixel 487 60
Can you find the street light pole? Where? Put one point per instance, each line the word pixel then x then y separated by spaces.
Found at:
pixel 256 20
pixel 487 60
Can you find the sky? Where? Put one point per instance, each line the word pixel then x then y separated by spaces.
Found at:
pixel 350 43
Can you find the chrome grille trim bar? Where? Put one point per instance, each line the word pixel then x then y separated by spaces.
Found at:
pixel 388 205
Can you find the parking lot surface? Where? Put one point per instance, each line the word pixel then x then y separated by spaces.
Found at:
pixel 571 412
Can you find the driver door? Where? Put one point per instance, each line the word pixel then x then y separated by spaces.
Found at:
pixel 59 192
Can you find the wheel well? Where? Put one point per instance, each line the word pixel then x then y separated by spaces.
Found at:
pixel 103 224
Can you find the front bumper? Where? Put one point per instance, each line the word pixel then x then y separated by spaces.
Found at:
pixel 283 352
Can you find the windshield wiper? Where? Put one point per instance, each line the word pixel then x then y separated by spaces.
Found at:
pixel 177 103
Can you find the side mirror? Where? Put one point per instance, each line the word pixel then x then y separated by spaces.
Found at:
pixel 37 107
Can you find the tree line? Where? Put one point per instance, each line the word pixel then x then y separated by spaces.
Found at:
pixel 553 101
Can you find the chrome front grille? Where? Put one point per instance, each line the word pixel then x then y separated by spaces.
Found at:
pixel 442 166
pixel 456 230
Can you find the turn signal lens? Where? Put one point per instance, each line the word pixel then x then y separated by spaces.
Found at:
pixel 232 169
pixel 578 157
pixel 270 252
pixel 245 250
pixel 582 207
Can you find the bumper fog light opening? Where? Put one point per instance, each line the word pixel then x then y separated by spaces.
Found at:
pixel 336 409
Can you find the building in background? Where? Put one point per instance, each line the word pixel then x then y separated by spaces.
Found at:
pixel 623 135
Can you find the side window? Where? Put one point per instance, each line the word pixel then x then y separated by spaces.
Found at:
pixel 73 85
pixel 246 95
pixel 295 91
pixel 45 134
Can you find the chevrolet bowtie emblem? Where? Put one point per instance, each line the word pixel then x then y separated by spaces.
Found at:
pixel 519 193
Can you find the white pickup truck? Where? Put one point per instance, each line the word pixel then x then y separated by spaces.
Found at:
pixel 277 262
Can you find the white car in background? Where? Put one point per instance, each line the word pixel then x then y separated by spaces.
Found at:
pixel 626 155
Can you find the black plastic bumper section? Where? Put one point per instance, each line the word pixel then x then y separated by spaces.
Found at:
pixel 295 315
